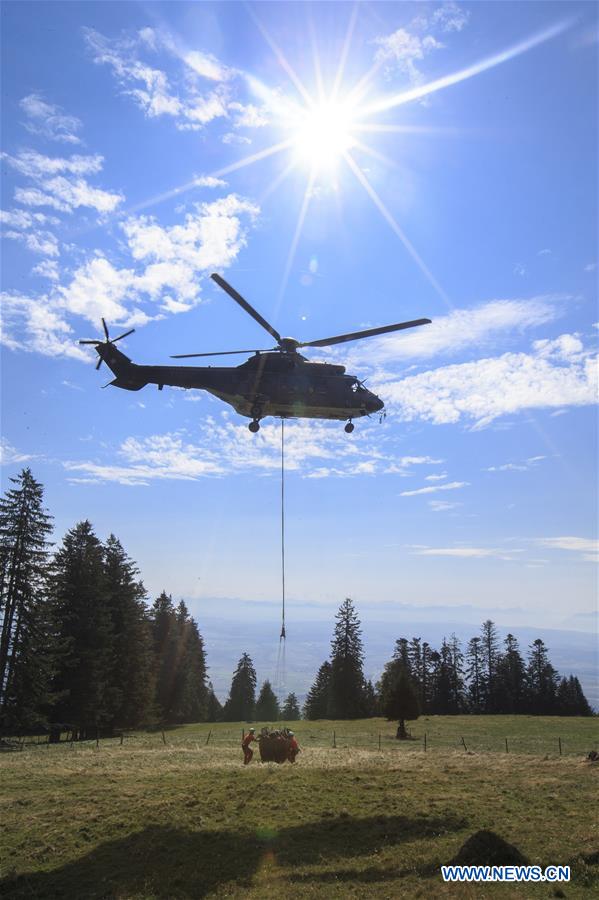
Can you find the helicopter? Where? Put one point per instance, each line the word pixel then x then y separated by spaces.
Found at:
pixel 275 382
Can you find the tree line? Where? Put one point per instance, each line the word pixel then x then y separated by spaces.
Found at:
pixel 80 647
pixel 489 677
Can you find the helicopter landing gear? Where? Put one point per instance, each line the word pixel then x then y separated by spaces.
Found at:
pixel 349 427
pixel 254 426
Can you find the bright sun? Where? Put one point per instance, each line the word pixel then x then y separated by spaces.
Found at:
pixel 323 134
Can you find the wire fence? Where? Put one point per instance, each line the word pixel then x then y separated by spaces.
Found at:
pixel 558 743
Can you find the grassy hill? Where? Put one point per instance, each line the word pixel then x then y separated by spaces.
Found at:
pixel 149 819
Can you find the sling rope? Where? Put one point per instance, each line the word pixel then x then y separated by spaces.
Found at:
pixel 281 662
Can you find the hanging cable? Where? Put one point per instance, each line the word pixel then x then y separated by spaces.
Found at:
pixel 283 525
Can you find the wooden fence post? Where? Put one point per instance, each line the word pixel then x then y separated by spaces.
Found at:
pixel 559 740
pixel 163 739
pixel 334 739
pixel 97 737
pixel 122 736
pixel 208 738
pixel 506 746
pixel 379 740
pixel 425 741
pixel 464 743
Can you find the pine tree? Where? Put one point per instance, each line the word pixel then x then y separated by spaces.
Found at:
pixel 242 696
pixel 214 709
pixel 399 697
pixel 402 653
pixel 190 695
pixel 457 675
pixel 371 701
pixel 85 630
pixel 511 679
pixel 267 707
pixel 489 648
pixel 291 711
pixel 317 701
pixel 165 638
pixel 26 657
pixel 441 694
pixel 132 679
pixel 346 699
pixel 475 676
pixel 542 681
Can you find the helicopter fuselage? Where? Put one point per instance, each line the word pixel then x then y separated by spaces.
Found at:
pixel 267 384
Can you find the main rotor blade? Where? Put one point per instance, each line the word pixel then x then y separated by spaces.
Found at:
pixel 90 342
pixel 219 353
pixel 358 335
pixel 121 336
pixel 245 305
pixel 99 363
pixel 104 326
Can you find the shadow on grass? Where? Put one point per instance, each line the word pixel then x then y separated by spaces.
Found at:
pixel 171 862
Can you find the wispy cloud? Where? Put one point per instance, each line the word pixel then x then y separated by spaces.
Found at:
pixel 522 466
pixel 470 552
pixel 433 489
pixel 224 446
pixel 556 373
pixel 49 121
pixel 586 548
pixel 10 455
pixel 442 505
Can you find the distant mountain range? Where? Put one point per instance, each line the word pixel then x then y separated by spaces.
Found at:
pixel 308 645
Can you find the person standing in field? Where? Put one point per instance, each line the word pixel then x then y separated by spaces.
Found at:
pixel 293 747
pixel 245 746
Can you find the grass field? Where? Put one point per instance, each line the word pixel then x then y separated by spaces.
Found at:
pixel 148 819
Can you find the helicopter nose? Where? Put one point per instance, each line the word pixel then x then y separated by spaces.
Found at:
pixel 374 404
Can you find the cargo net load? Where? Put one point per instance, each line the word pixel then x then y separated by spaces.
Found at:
pixel 277 745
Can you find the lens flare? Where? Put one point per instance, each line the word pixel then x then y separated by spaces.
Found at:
pixel 323 134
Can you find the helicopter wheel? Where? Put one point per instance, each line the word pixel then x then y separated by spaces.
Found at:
pixel 349 427
pixel 254 426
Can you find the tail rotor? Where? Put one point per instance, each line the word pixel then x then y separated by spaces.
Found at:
pixel 108 340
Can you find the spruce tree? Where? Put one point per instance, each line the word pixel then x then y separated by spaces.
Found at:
pixel 457 675
pixel 242 696
pixel 511 679
pixel 371 701
pixel 84 628
pixel 267 706
pixel 132 676
pixel 489 647
pixel 399 697
pixel 190 694
pixel 26 657
pixel 291 711
pixel 317 701
pixel 165 638
pixel 346 700
pixel 476 690
pixel 542 681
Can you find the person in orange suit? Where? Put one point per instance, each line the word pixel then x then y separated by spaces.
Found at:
pixel 245 746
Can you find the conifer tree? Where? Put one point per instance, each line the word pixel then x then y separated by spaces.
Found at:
pixel 399 698
pixel 371 701
pixel 346 700
pixel 132 676
pixel 441 693
pixel 489 651
pixel 542 680
pixel 291 711
pixel 85 631
pixel 570 699
pixel 242 696
pixel 191 695
pixel 457 674
pixel 267 706
pixel 26 657
pixel 511 679
pixel 165 634
pixel 475 675
pixel 317 701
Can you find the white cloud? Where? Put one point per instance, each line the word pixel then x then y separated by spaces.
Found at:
pixel 9 454
pixel 439 477
pixel 587 548
pixel 432 489
pixel 442 505
pixel 223 445
pixel 60 182
pixel 450 17
pixel 209 181
pixel 47 120
pixel 403 49
pixel 590 267
pixel 22 219
pixel 249 115
pixel 558 374
pixel 43 242
pixel 466 552
pixel 520 269
pixel 479 326
pixel 40 327
pixel 207 66
pixel 516 467
pixel 231 138
pixel 47 268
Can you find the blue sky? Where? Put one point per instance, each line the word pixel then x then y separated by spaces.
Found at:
pixel 343 167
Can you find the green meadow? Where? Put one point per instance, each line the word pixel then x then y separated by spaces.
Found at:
pixel 177 815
